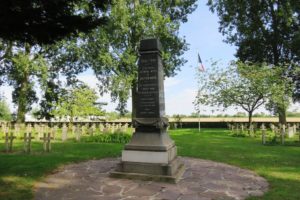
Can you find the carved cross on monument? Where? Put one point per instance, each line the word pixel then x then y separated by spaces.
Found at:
pixel 151 154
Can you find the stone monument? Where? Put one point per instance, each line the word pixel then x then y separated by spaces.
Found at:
pixel 151 154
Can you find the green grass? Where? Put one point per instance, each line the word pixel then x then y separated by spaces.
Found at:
pixel 280 165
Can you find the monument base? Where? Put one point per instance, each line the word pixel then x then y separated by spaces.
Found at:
pixel 150 165
pixel 170 173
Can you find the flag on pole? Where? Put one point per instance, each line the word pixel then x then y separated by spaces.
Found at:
pixel 201 66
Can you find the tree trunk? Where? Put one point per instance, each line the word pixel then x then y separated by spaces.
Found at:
pixel 22 99
pixel 282 115
pixel 249 121
pixel 134 99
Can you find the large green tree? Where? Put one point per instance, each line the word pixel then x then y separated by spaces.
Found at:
pixel 78 101
pixel 112 51
pixel 237 85
pixel 263 31
pixel 43 21
pixel 26 26
pixel 21 69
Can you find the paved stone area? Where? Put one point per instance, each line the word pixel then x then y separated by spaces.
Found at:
pixel 202 180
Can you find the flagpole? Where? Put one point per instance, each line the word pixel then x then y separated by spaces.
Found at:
pixel 199 126
pixel 201 69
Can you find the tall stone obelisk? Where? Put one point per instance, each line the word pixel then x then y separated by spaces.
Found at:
pixel 151 154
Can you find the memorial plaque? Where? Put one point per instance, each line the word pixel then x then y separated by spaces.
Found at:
pixel 150 96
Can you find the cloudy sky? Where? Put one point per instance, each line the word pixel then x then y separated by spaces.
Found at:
pixel 201 32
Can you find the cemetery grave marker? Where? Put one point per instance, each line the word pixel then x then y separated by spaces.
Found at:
pixel 27 142
pixel 54 131
pixel 46 142
pixel 101 127
pixel 92 129
pixel 282 134
pixel 74 127
pixel 106 128
pixel 242 128
pixel 8 139
pixel 294 128
pixel 64 134
pixel 119 128
pixel 237 129
pixel 263 130
pixel 290 131
pixel 272 126
pixel 113 128
pixel 78 132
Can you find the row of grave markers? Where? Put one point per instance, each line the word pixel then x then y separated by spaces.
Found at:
pixel 281 130
pixel 46 133
pixel 27 138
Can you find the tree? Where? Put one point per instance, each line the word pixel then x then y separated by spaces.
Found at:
pixel 112 51
pixel 25 27
pixel 234 86
pixel 21 69
pixel 79 101
pixel 38 22
pixel 281 89
pixel 263 31
pixel 5 113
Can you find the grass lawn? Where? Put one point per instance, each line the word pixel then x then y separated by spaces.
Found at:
pixel 280 165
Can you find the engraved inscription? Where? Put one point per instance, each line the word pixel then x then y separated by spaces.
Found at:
pixel 148 89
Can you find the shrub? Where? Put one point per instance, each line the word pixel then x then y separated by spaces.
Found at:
pixel 108 138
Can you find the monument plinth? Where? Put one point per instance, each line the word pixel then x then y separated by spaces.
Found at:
pixel 151 154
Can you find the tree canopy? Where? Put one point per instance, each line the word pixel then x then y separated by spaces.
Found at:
pixel 80 101
pixel 264 32
pixel 43 21
pixel 244 85
pixel 112 51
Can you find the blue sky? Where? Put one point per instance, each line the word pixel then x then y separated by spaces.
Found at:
pixel 201 32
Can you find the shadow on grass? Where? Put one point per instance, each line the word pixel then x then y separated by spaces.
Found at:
pixel 18 171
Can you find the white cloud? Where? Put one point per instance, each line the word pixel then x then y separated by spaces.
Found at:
pixel 171 82
pixel 181 102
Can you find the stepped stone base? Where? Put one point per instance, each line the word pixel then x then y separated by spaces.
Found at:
pixel 172 178
pixel 150 165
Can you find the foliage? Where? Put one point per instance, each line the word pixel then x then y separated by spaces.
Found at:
pixel 114 57
pixel 122 138
pixel 47 21
pixel 233 86
pixel 281 89
pixel 264 32
pixel 21 70
pixel 5 113
pixel 77 102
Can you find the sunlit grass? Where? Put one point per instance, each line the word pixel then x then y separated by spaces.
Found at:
pixel 280 165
